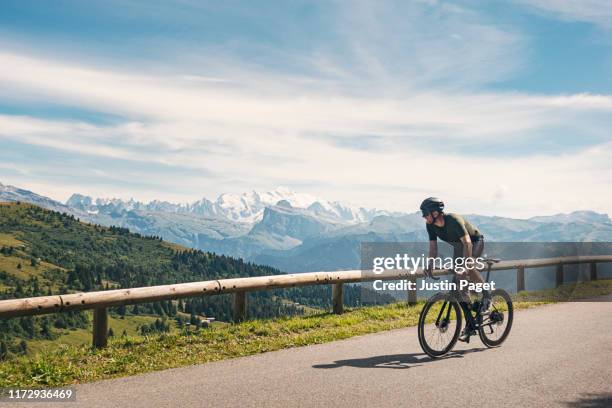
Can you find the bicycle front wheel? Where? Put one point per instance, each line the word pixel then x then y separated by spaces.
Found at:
pixel 497 321
pixel 439 325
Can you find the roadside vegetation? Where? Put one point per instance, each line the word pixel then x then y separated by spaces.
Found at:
pixel 136 354
pixel 44 252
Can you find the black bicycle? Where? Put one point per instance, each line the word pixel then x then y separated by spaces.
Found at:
pixel 440 321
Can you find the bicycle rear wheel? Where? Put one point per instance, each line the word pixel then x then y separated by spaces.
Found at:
pixel 439 324
pixel 497 322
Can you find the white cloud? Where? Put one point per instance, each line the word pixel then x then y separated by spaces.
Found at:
pixel 577 101
pixel 393 180
pixel 160 107
pixel 405 79
pixel 591 11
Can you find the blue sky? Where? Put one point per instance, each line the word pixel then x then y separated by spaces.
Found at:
pixel 501 107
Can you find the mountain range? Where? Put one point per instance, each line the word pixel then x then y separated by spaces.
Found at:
pixel 297 232
pixel 246 208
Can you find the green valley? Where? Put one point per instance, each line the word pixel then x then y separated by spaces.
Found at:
pixel 44 252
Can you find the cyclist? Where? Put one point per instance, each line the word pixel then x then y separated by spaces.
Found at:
pixel 465 239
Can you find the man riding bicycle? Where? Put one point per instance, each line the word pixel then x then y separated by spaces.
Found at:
pixel 466 240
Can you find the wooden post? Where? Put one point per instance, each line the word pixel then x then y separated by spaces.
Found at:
pixel 593 271
pixel 412 294
pixel 559 275
pixel 520 278
pixel 338 298
pixel 239 306
pixel 100 327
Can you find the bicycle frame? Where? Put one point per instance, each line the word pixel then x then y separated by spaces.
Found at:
pixel 471 321
pixel 467 313
pixel 478 318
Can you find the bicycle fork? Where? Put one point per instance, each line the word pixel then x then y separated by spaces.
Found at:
pixel 446 318
pixel 443 318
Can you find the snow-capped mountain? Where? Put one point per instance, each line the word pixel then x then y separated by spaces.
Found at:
pixel 95 206
pixel 298 232
pixel 575 216
pixel 243 208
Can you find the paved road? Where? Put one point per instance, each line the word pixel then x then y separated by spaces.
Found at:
pixel 556 355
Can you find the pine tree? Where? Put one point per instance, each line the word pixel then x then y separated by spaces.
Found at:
pixel 45 328
pixel 23 347
pixel 3 350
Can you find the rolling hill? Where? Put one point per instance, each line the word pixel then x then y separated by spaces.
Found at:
pixel 46 252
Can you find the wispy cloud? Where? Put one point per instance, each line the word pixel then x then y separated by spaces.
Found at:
pixel 170 117
pixel 392 95
pixel 591 11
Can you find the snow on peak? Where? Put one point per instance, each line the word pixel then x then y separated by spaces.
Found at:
pixel 249 207
pixel 246 207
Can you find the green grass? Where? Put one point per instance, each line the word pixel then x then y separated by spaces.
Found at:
pixel 567 293
pixel 11 264
pixel 70 364
pixel 10 240
pixel 80 337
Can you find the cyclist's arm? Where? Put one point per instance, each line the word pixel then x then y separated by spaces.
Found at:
pixel 433 253
pixel 433 249
pixel 467 246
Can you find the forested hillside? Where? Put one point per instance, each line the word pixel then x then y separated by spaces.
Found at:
pixel 44 252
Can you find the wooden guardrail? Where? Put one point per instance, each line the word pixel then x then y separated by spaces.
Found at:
pixel 100 301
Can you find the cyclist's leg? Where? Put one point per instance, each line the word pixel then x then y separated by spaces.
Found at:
pixel 464 294
pixel 464 298
pixel 476 252
pixel 477 249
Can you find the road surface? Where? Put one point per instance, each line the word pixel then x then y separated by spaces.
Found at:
pixel 556 355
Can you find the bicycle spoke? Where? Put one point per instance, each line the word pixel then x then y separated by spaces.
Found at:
pixel 439 334
pixel 497 320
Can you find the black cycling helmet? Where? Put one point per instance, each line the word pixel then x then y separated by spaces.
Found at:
pixel 431 204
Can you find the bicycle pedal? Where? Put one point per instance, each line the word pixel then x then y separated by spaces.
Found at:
pixel 465 337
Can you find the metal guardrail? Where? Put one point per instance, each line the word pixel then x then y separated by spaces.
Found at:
pixel 101 300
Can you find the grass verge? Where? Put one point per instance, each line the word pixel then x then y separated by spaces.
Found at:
pixel 131 355
pixel 79 337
